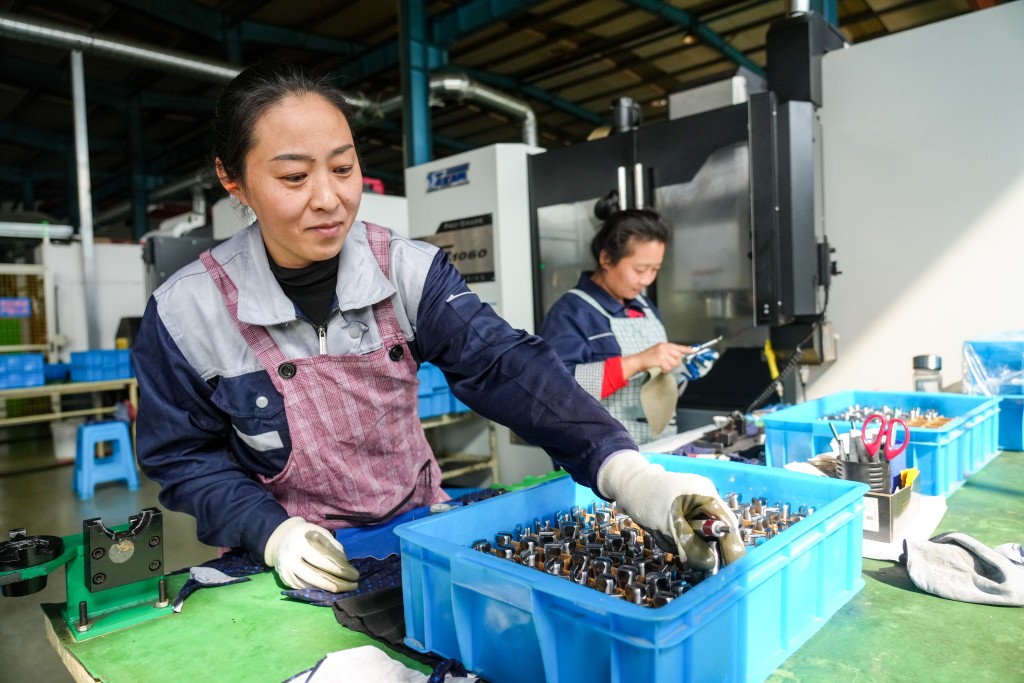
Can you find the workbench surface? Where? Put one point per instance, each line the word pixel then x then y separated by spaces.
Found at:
pixel 890 631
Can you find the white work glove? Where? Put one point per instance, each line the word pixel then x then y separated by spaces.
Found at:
pixel 308 556
pixel 698 364
pixel 661 502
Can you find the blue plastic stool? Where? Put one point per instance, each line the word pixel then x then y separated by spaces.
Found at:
pixel 91 470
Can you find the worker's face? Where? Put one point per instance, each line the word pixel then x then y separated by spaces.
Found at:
pixel 302 180
pixel 628 278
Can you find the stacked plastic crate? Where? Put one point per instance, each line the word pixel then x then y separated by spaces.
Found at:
pixel 97 366
pixel 19 370
pixel 435 396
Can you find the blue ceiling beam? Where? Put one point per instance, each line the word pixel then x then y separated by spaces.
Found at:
pixel 156 100
pixel 385 124
pixel 827 9
pixel 379 59
pixel 449 27
pixel 53 142
pixel 99 92
pixel 443 30
pixel 414 64
pixel 510 84
pixel 17 174
pixel 218 26
pixel 689 22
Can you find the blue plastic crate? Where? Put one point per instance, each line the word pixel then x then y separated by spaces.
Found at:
pixel 56 372
pixel 435 404
pixel 432 380
pixel 19 370
pixel 944 456
pixel 100 365
pixel 1011 423
pixel 509 623
pixel 457 406
pixel 994 366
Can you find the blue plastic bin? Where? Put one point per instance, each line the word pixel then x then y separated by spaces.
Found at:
pixel 1011 423
pixel 57 372
pixel 457 406
pixel 100 365
pixel 945 456
pixel 433 394
pixel 509 623
pixel 994 366
pixel 19 370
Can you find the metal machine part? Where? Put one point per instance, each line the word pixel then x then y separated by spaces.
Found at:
pixel 117 558
pixel 24 552
pixel 604 550
pixel 113 577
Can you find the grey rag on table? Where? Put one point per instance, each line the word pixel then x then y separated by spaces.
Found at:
pixel 958 567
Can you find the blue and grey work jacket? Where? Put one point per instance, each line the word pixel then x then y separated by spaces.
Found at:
pixel 203 435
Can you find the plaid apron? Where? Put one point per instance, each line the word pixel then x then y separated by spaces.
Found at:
pixel 358 453
pixel 633 335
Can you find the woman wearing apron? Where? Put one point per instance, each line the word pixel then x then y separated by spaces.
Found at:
pixel 277 374
pixel 611 337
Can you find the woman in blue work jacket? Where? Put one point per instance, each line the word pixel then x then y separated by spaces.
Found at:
pixel 611 337
pixel 277 374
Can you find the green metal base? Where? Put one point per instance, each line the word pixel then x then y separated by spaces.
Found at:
pixel 107 610
pixel 111 609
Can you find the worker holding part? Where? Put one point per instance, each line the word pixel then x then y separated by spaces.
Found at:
pixel 277 374
pixel 611 337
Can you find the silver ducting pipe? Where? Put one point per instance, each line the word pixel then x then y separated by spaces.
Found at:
pixel 12 26
pixel 462 88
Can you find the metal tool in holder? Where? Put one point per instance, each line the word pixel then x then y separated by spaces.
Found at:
pixel 600 548
pixel 114 577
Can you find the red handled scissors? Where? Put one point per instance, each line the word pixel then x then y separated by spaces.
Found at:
pixel 886 436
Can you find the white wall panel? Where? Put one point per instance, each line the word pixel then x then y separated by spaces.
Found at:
pixel 924 195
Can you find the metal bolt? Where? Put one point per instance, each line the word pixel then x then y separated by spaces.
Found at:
pixel 154 565
pixel 83 624
pixel 154 541
pixel 97 553
pixel 99 579
pixel 162 600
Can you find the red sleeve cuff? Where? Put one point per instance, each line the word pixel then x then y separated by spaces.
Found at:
pixel 613 379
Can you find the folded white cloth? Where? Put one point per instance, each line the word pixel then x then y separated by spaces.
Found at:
pixel 365 663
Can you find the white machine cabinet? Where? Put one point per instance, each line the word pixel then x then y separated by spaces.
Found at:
pixel 475 205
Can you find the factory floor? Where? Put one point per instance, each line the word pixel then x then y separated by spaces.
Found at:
pixel 35 494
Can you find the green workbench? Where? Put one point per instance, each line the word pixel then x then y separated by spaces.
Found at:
pixel 889 632
pixel 892 631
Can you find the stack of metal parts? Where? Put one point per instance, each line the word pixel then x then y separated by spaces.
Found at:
pixel 605 550
pixel 914 417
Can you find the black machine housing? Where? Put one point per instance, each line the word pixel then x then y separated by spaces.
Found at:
pixel 747 258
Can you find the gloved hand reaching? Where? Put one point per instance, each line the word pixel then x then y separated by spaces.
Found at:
pixel 308 556
pixel 699 364
pixel 661 502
